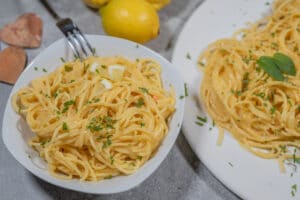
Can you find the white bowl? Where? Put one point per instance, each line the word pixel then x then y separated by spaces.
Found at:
pixel 16 133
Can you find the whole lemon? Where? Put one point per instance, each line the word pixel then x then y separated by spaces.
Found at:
pixel 95 3
pixel 159 4
pixel 134 20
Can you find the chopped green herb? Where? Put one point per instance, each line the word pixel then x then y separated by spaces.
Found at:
pixel 36 68
pixel 68 68
pixel 55 94
pixel 238 92
pixel 108 177
pixel 261 95
pixel 137 60
pixel 139 103
pixel 246 60
pixel 97 71
pixel 230 164
pixel 137 46
pixel 62 59
pixel 67 104
pixel 188 56
pixel 65 126
pixel 272 110
pixel 111 160
pixel 144 90
pixel 282 148
pixel 294 190
pixel 202 119
pixel 104 66
pixel 142 124
pixel 199 123
pixel 93 51
pixel 98 123
pixel 106 143
pixel 94 127
pixel 185 90
pixel 76 56
pixel 213 124
pixel 265 104
pixel 201 64
pixel 96 100
pixel 44 70
pixel 267 3
pixel 273 34
pixel 139 157
pixel 181 97
pixel 297 160
pixel 44 142
pixel 108 122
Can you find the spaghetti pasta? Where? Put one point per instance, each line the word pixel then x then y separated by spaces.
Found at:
pixel 261 113
pixel 97 118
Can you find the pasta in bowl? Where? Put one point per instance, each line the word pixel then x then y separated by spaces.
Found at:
pixel 101 118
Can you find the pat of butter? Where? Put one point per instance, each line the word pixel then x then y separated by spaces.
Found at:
pixel 116 72
pixel 93 67
pixel 106 83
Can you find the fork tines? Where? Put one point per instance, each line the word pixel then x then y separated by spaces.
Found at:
pixel 77 41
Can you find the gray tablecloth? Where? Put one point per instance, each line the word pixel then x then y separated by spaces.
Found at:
pixel 180 176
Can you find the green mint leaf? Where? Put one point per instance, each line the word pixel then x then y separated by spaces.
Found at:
pixel 270 67
pixel 284 63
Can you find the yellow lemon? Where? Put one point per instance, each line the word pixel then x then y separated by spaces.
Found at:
pixel 134 20
pixel 159 4
pixel 95 3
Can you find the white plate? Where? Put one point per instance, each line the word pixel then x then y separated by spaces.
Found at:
pixel 16 133
pixel 248 176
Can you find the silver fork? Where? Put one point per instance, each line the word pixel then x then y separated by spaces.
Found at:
pixel 76 40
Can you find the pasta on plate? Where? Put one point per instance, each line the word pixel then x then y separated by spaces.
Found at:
pixel 258 102
pixel 97 118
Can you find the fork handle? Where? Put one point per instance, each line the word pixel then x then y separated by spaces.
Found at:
pixel 50 9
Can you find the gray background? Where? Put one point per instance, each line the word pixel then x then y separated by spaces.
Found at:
pixel 180 176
